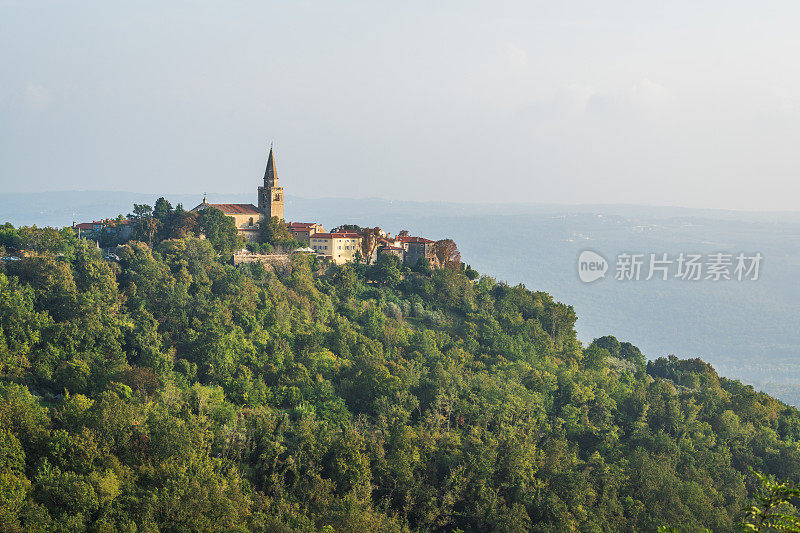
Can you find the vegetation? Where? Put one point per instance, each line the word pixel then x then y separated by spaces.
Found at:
pixel 447 253
pixel 275 233
pixel 168 391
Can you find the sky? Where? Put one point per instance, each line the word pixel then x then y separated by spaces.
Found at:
pixel 692 104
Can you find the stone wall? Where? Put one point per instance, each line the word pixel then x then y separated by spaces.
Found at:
pixel 282 260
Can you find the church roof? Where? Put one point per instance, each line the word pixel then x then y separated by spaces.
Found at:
pixel 235 209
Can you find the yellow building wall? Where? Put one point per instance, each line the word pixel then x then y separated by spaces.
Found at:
pixel 247 225
pixel 339 250
pixel 344 249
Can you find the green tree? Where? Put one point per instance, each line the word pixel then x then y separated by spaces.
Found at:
pixel 386 270
pixel 773 509
pixel 220 230
pixel 162 210
pixel 275 233
pixel 145 225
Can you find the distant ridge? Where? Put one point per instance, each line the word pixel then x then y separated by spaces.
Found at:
pixel 60 208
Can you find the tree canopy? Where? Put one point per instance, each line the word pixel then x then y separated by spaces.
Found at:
pixel 170 391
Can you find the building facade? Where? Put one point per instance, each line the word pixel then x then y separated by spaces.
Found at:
pixel 339 248
pixel 417 248
pixel 396 251
pixel 302 231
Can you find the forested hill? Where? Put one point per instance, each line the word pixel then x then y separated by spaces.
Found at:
pixel 165 390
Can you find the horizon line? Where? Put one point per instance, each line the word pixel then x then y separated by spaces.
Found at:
pixel 440 202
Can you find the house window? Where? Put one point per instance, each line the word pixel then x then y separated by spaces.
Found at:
pixel 251 221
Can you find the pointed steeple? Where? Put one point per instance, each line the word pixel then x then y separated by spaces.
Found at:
pixel 270 196
pixel 271 174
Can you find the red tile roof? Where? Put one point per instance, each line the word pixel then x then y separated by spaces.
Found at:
pixel 302 225
pixel 336 236
pixel 101 223
pixel 414 239
pixel 236 209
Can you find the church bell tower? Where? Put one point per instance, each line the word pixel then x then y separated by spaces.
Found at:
pixel 270 196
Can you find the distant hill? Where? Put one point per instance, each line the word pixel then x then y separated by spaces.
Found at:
pixel 744 328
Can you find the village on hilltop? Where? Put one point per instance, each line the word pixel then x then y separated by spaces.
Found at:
pixel 346 243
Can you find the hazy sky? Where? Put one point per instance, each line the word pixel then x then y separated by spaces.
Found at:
pixel 565 102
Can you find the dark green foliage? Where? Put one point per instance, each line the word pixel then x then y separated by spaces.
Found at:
pixel 275 233
pixel 471 273
pixel 170 391
pixel 423 266
pixel 258 248
pixel 162 210
pixel 385 271
pixel 220 230
pixel 145 225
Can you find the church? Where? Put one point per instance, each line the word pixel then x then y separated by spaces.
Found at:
pixel 249 218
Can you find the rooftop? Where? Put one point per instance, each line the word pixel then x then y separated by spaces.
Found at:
pixel 336 236
pixel 235 209
pixel 414 239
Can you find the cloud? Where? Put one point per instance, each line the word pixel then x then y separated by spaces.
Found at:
pixel 37 97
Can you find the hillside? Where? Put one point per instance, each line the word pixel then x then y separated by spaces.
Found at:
pixel 737 327
pixel 170 391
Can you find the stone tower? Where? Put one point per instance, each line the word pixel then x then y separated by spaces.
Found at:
pixel 270 196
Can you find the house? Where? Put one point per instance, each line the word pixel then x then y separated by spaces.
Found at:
pixel 248 218
pixel 417 248
pixel 412 248
pixel 337 247
pixel 396 251
pixel 83 227
pixel 123 229
pixel 302 231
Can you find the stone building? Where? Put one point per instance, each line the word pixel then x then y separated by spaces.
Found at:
pixel 120 229
pixel 248 218
pixel 396 251
pixel 270 195
pixel 409 249
pixel 416 248
pixel 302 231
